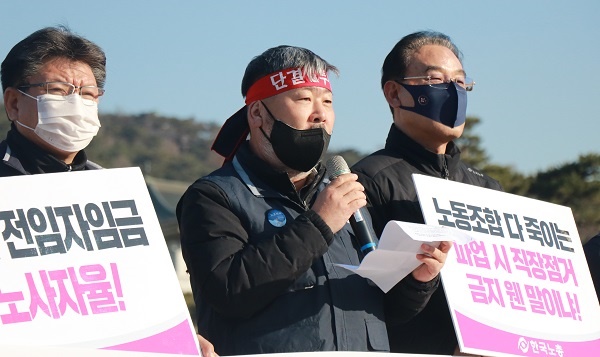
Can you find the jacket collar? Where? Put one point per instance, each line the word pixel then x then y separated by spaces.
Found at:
pixel 28 158
pixel 401 145
pixel 270 182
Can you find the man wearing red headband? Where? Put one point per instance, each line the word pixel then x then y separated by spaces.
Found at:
pixel 261 235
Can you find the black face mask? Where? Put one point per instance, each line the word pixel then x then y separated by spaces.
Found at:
pixel 447 106
pixel 299 150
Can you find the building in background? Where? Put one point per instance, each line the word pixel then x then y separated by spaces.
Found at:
pixel 165 194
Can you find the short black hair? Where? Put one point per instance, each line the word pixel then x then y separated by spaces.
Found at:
pixel 27 57
pixel 398 59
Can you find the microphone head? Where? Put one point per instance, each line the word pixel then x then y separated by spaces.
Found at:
pixel 336 166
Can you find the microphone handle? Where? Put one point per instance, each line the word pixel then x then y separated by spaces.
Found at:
pixel 362 233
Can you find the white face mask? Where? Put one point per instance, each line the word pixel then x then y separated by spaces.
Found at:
pixel 66 122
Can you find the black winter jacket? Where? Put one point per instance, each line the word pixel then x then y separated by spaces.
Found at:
pixel 262 268
pixel 386 176
pixel 592 255
pixel 22 157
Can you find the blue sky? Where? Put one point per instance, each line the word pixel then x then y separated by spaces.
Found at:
pixel 535 62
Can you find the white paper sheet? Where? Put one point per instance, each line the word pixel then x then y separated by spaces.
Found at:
pixel 395 256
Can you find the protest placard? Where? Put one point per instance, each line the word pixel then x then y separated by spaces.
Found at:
pixel 84 264
pixel 522 286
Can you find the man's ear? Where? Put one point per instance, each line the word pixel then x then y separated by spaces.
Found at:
pixel 255 116
pixel 11 100
pixel 391 91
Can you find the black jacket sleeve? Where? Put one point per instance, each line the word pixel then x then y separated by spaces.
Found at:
pixel 234 274
pixel 409 297
pixel 377 209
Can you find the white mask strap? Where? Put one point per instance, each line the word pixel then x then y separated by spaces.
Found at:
pixel 23 125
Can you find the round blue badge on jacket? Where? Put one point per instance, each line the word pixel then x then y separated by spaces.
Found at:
pixel 276 218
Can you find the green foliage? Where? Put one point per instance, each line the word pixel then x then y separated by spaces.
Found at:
pixel 511 181
pixel 4 123
pixel 162 147
pixel 575 185
pixel 470 145
pixel 473 154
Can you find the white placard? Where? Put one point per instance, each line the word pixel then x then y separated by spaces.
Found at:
pixel 522 287
pixel 84 264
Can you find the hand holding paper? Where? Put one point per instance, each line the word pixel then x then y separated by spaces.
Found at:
pixel 432 260
pixel 396 256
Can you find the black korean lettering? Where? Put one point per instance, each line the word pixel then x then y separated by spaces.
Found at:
pixel 514 227
pixel 533 229
pixel 50 244
pixel 47 243
pixel 134 236
pixel 51 219
pixel 22 224
pixel 36 219
pixel 107 238
pixel 11 230
pixel 135 219
pixel 477 221
pixel 563 237
pixel 131 236
pixel 494 222
pixel 65 214
pixel 445 214
pixel 459 212
pixel 84 227
pixel 94 215
pixel 548 235
pixel 108 214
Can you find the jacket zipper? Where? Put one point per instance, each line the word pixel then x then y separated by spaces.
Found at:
pixel 445 172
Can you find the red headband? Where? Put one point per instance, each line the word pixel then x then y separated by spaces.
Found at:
pixel 282 81
pixel 235 130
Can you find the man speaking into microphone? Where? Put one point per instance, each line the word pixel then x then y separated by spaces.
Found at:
pixel 262 234
pixel 365 237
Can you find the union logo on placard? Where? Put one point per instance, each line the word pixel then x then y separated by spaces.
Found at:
pixel 523 344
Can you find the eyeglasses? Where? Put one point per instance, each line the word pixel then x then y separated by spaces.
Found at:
pixel 465 82
pixel 64 89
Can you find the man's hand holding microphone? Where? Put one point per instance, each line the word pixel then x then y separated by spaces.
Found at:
pixel 344 199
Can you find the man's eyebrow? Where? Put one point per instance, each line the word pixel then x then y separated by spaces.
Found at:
pixel 438 68
pixel 433 68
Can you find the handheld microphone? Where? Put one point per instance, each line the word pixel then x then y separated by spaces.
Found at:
pixel 337 166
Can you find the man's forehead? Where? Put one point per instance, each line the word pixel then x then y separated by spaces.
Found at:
pixel 64 70
pixel 293 93
pixel 315 90
pixel 434 57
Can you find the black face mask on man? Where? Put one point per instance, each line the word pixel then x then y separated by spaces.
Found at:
pixel 444 105
pixel 299 150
